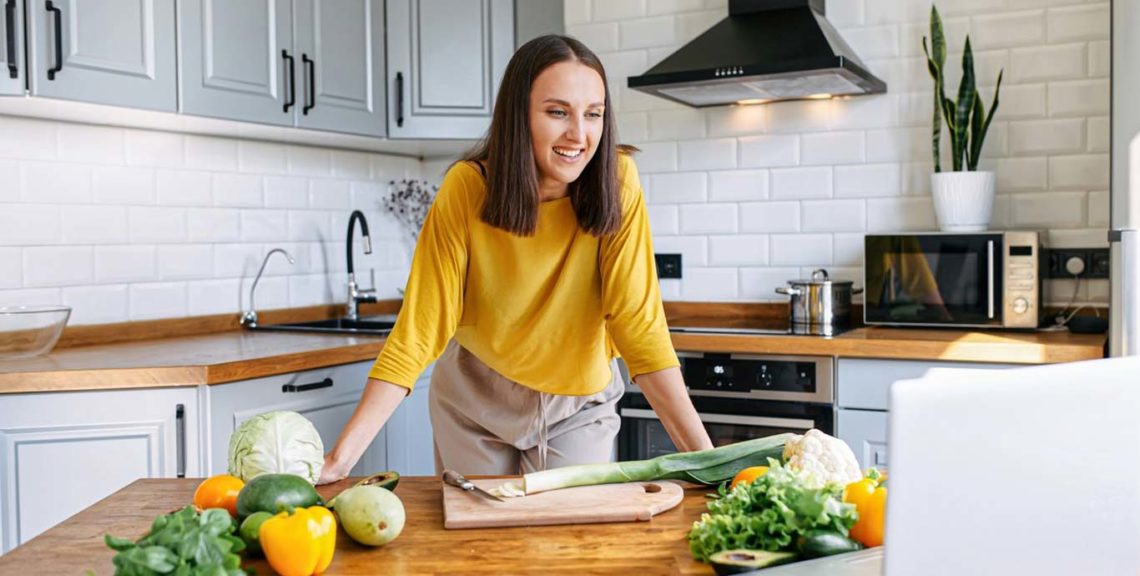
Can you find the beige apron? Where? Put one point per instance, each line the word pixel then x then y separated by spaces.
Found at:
pixel 484 423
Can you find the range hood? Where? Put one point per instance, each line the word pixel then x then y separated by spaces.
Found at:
pixel 766 50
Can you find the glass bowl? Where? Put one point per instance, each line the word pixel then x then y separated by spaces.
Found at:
pixel 27 331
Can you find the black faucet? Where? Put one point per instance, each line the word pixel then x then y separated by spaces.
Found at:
pixel 355 294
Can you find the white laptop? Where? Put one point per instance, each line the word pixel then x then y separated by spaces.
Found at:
pixel 1031 471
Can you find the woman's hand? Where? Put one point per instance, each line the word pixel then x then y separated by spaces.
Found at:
pixel 332 471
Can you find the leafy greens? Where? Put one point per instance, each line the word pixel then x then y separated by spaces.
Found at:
pixel 184 543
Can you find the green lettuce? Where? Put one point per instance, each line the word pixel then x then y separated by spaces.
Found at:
pixel 770 514
pixel 280 442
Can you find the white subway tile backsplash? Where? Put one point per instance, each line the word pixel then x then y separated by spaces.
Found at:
pixel 693 24
pixel 620 65
pixel 769 151
pixel 309 290
pixel 633 126
pixel 693 249
pixel 237 260
pixel 306 161
pixel 157 300
pixel 91 144
pixel 1020 102
pixel 708 219
pixel 760 284
pixel 213 224
pixel 1018 174
pixel 867 181
pixel 900 215
pixel 272 293
pixel 57 266
pixel 96 304
pixel 848 249
pixel 351 165
pixel 834 216
pixel 1058 209
pixel 609 10
pixel 1079 98
pixel 1089 171
pixel 601 37
pixel 286 192
pixel 656 157
pixel 1073 23
pixel 676 124
pixel 29 224
pixel 264 226
pixel 213 297
pixel 916 178
pixel 158 149
pixel 120 185
pixel 845 13
pixel 125 264
pixel 576 11
pixel 898 144
pixel 802 116
pixel 738 250
pixel 30 297
pixel 305 226
pixel 55 183
pixel 93 224
pixel 1098 209
pixel 185 261
pixel 707 154
pixel 209 153
pixel 800 249
pixel 710 284
pixel 157 225
pixel 262 157
pixel 831 148
pixel 1009 29
pixel 790 183
pixel 874 42
pixel 735 120
pixel 9 181
pixel 11 268
pixel 649 33
pixel 676 188
pixel 1100 59
pixel 1056 62
pixel 770 217
pixel 1036 137
pixel 243 190
pixel 664 219
pixel 184 188
pixel 738 185
pixel 28 139
pixel 674 6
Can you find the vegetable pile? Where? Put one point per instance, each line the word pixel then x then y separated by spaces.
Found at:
pixel 184 543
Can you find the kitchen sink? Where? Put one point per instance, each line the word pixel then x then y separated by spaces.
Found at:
pixel 370 325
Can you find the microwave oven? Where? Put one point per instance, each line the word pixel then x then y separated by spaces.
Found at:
pixel 975 280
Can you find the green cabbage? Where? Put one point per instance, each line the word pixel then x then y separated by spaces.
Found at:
pixel 280 442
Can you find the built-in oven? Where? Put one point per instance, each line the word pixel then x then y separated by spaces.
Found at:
pixel 738 397
pixel 977 280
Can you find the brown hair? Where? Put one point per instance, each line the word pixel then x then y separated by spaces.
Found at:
pixel 512 176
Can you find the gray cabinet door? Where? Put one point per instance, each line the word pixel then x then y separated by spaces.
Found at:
pixel 411 447
pixel 118 52
pixel 340 67
pixel 12 73
pixel 237 60
pixel 61 452
pixel 445 60
pixel 865 431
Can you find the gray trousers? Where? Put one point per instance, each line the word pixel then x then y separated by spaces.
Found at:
pixel 484 423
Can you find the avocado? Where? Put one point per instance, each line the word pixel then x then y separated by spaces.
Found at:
pixel 740 561
pixel 386 480
pixel 819 543
pixel 274 493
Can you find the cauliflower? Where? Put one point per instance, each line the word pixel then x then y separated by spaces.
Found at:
pixel 824 458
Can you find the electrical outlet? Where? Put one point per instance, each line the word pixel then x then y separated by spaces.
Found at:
pixel 1095 260
pixel 668 265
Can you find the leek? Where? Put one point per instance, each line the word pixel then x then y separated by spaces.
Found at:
pixel 708 467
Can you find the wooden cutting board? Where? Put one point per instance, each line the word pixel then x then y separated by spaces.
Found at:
pixel 631 502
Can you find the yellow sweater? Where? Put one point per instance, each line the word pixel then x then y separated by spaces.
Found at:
pixel 546 311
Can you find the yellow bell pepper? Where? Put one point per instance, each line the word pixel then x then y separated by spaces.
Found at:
pixel 301 543
pixel 870 499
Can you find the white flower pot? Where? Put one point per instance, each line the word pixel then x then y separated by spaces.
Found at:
pixel 963 201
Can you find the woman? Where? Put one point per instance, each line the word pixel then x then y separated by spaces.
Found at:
pixel 533 270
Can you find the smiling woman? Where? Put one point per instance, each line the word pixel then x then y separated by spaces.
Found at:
pixel 533 272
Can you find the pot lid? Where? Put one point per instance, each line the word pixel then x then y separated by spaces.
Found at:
pixel 819 277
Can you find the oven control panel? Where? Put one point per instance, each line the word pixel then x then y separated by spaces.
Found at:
pixel 726 373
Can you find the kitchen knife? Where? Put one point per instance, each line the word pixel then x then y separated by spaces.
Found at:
pixel 456 479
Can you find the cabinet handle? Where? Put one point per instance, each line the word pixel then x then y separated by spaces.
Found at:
pixel 180 435
pixel 58 40
pixel 311 90
pixel 399 98
pixel 291 99
pixel 10 36
pixel 326 383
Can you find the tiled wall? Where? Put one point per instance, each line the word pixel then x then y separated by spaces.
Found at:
pixel 128 224
pixel 753 196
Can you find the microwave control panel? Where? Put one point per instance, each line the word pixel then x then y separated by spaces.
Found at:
pixel 1021 306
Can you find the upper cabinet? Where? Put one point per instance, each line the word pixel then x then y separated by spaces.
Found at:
pixel 12 48
pixel 445 61
pixel 118 52
pixel 308 63
pixel 237 60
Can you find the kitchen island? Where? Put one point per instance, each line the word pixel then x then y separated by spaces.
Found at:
pixel 655 547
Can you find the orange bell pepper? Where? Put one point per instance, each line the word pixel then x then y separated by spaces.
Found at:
pixel 870 499
pixel 301 543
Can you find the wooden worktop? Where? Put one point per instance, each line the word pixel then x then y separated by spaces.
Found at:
pixel 655 547
pixel 156 358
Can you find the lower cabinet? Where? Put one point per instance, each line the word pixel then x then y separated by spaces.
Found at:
pixel 863 400
pixel 327 397
pixel 61 452
pixel 411 449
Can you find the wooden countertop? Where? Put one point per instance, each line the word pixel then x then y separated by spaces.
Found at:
pixel 655 547
pixel 184 361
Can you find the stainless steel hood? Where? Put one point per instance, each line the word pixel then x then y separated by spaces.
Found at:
pixel 766 50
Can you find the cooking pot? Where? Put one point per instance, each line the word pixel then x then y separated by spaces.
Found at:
pixel 819 305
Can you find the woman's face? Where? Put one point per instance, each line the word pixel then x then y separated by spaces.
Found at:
pixel 567 104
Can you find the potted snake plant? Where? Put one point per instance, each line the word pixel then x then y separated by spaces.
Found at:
pixel 963 197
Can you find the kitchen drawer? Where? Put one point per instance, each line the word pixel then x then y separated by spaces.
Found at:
pixel 866 384
pixel 865 431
